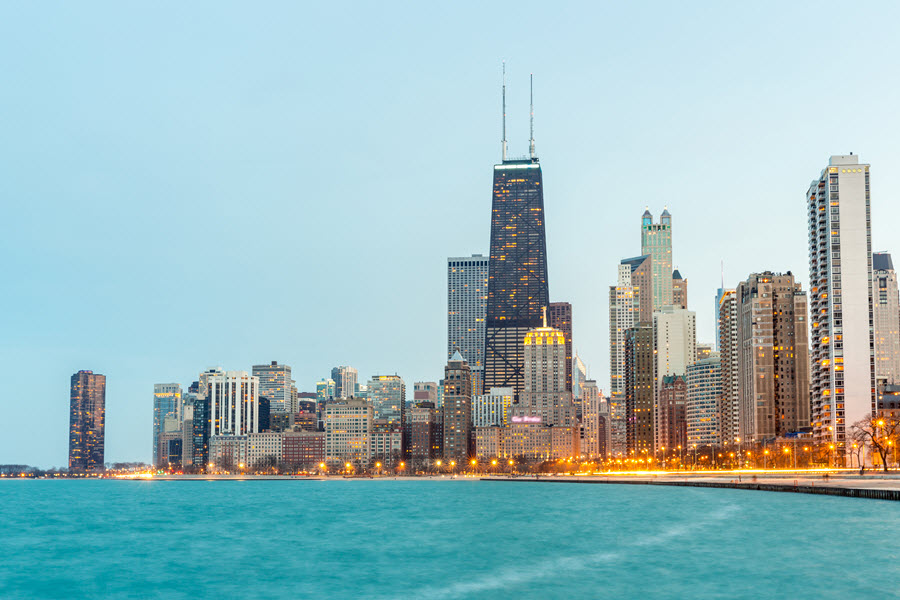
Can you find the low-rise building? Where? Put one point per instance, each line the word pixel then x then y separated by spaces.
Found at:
pixel 302 449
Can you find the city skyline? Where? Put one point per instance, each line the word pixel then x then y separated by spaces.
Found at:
pixel 128 204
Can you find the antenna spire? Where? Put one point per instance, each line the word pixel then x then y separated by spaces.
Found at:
pixel 531 142
pixel 503 142
pixel 723 273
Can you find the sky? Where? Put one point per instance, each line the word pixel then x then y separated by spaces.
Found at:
pixel 225 184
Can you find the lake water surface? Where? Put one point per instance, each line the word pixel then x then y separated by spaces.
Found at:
pixel 438 539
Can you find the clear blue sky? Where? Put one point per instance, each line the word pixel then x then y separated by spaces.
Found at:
pixel 202 184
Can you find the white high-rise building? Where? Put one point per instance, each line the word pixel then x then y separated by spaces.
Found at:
pixel 233 403
pixel 590 419
pixel 842 337
pixel 166 404
pixel 345 381
pixel 275 384
pixel 674 348
pixel 492 409
pixel 729 355
pixel 704 388
pixel 467 281
pixel 887 318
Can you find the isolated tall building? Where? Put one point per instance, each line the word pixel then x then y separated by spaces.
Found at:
pixel 887 318
pixel 166 405
pixel 517 281
pixel 275 383
pixel 559 316
pixel 467 296
pixel 773 356
pixel 345 379
pixel 656 242
pixel 87 421
pixel 842 343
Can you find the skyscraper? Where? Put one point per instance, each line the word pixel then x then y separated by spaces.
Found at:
pixel 545 394
pixel 656 241
pixel 87 420
pixel 639 389
pixel 591 444
pixel 671 425
pixel 679 290
pixel 166 404
pixel 704 387
pixel 517 278
pixel 457 408
pixel 467 293
pixel 730 368
pixel 275 383
pixel 842 342
pixel 773 355
pixel 674 348
pixel 345 379
pixel 233 403
pixel 887 318
pixel 559 316
pixel 387 394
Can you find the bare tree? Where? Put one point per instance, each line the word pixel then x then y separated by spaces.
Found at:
pixel 879 432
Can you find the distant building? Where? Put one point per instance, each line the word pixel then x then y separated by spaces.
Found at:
pixel 579 376
pixel 426 391
pixel 591 441
pixel 656 242
pixel 487 442
pixel 424 432
pixel 348 425
pixel 166 403
pixel 264 450
pixel 493 408
pixel 467 282
pixel 729 352
pixel 345 381
pixel 326 390
pixel 228 452
pixel 704 388
pixel 704 350
pixel 303 449
pixel 887 318
pixel 386 442
pixel 679 290
pixel 275 384
pixel 842 344
pixel 457 408
pixel 639 389
pixel 234 403
pixel 559 316
pixel 87 421
pixel 674 347
pixel 671 425
pixel 387 393
pixel 545 394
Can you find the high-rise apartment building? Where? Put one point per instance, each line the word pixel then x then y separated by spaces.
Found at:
pixel 87 421
pixel 326 390
pixel 773 357
pixel 424 432
pixel 166 404
pixel 656 242
pixel 559 316
pixel 674 348
pixel 886 309
pixel 348 425
pixel 592 446
pixel 679 290
pixel 467 294
pixel 492 409
pixel 671 425
pixel 842 343
pixel 704 388
pixel 233 403
pixel 639 389
pixel 387 393
pixel 345 379
pixel 729 354
pixel 275 383
pixel 545 394
pixel 457 408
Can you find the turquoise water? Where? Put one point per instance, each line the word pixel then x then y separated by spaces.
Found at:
pixel 438 539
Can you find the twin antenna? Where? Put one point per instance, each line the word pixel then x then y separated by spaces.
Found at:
pixel 531 139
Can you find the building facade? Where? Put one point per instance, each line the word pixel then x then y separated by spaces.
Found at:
pixel 671 423
pixel 234 403
pixel 457 408
pixel 348 425
pixel 591 442
pixel 674 348
pixel 544 394
pixel 773 355
pixel 166 404
pixel 275 383
pixel 467 294
pixel 842 343
pixel 679 290
pixel 517 278
pixel 87 421
pixel 704 388
pixel 729 362
pixel 886 309
pixel 387 393
pixel 639 389
pixel 559 316
pixel 345 381
pixel 492 409
pixel 656 242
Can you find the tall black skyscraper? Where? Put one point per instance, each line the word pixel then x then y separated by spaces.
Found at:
pixel 517 280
